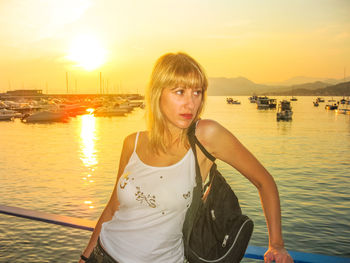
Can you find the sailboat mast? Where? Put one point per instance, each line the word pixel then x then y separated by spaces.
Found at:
pixel 67 81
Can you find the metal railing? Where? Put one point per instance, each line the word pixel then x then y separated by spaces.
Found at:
pixel 253 252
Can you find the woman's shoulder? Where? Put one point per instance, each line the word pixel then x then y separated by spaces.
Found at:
pixel 207 129
pixel 208 132
pixel 130 140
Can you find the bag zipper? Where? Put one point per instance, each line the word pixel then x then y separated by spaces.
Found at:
pixel 229 250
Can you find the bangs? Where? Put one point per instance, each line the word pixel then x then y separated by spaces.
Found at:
pixel 180 69
pixel 188 77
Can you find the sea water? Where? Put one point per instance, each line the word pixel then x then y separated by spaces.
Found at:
pixel 70 169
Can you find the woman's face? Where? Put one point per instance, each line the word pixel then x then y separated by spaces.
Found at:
pixel 179 106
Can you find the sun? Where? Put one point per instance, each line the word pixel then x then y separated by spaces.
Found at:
pixel 87 52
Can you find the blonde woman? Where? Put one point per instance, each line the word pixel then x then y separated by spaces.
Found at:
pixel 143 219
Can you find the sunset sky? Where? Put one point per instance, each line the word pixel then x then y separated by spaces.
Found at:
pixel 264 41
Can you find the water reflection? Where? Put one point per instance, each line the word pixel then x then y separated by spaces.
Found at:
pixel 88 138
pixel 88 151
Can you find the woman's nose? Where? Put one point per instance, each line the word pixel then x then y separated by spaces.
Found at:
pixel 189 100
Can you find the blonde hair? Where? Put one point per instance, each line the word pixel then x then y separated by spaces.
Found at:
pixel 170 70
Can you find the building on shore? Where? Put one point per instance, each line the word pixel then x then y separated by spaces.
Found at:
pixel 25 92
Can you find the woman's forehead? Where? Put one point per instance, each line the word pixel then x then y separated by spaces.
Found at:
pixel 184 86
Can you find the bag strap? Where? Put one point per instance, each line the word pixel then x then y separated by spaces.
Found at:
pixel 193 142
pixel 198 189
pixel 191 133
pixel 206 153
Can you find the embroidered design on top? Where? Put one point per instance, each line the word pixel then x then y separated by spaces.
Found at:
pixel 188 195
pixel 125 179
pixel 150 200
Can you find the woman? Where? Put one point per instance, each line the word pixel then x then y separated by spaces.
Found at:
pixel 143 219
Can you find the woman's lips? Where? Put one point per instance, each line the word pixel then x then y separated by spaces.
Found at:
pixel 187 116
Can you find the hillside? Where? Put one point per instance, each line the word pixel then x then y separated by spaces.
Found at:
pixel 341 89
pixel 304 79
pixel 233 86
pixel 243 86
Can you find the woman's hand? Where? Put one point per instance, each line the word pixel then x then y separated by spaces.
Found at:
pixel 279 255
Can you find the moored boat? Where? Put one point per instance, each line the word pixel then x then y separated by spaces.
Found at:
pixel 342 111
pixel 7 115
pixel 343 101
pixel 331 106
pixel 266 103
pixel 284 110
pixel 232 101
pixel 45 116
pixel 110 111
pixel 253 99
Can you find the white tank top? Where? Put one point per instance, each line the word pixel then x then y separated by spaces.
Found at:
pixel 153 204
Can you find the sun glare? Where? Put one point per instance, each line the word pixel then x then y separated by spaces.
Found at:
pixel 87 52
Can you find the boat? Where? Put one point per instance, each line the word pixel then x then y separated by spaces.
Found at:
pixel 135 104
pixel 293 99
pixel 253 99
pixel 284 111
pixel 8 115
pixel 74 110
pixel 110 111
pixel 45 116
pixel 232 101
pixel 342 111
pixel 331 106
pixel 315 103
pixel 266 103
pixel 319 99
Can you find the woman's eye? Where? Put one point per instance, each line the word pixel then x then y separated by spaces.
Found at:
pixel 179 92
pixel 197 92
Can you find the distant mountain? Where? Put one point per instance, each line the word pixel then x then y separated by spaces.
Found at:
pixel 302 79
pixel 233 86
pixel 341 89
pixel 243 86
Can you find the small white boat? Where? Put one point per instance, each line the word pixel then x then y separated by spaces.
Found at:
pixel 232 101
pixel 253 99
pixel 7 115
pixel 46 116
pixel 343 111
pixel 266 103
pixel 109 111
pixel 284 111
pixel 331 106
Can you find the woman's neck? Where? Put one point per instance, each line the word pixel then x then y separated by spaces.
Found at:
pixel 173 135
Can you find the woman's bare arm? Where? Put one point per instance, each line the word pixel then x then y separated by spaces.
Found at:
pixel 113 204
pixel 222 144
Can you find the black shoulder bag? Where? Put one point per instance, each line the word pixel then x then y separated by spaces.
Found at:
pixel 214 229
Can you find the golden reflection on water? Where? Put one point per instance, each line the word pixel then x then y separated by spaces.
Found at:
pixel 87 145
pixel 88 138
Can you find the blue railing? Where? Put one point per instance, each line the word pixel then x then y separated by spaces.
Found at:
pixel 253 252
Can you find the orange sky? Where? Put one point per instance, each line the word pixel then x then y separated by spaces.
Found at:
pixel 264 41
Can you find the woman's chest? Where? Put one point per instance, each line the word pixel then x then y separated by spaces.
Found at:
pixel 165 188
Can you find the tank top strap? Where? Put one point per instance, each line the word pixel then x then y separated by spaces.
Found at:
pixel 136 139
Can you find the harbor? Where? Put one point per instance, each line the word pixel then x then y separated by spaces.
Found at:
pixel 69 169
pixel 34 106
